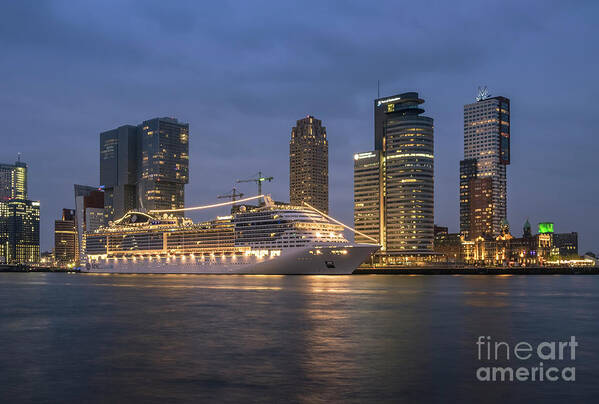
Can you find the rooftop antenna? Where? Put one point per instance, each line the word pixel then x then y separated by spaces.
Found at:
pixel 483 93
pixel 378 89
pixel 19 157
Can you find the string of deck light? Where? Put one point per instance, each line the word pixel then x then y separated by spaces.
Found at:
pixel 216 205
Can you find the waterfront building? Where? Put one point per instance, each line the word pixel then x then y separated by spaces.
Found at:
pixel 309 164
pixel 163 163
pixel 13 181
pixel 544 248
pixel 404 209
pixel 368 196
pixel 19 217
pixel 65 239
pixel 483 188
pixel 565 244
pixel 19 231
pixel 118 170
pixel 144 167
pixel 89 213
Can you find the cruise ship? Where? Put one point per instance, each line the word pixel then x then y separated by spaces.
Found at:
pixel 269 239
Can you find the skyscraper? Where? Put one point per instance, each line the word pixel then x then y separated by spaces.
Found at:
pixel 163 163
pixel 118 170
pixel 19 231
pixel 19 217
pixel 144 167
pixel 404 153
pixel 65 238
pixel 309 164
pixel 368 196
pixel 483 188
pixel 13 181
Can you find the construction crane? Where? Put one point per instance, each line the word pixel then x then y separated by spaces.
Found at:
pixel 234 195
pixel 259 180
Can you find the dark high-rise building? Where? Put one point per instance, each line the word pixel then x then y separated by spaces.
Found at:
pixel 565 244
pixel 144 167
pixel 13 181
pixel 405 207
pixel 118 170
pixel 480 206
pixel 309 164
pixel 468 172
pixel 19 231
pixel 65 238
pixel 163 163
pixel 486 155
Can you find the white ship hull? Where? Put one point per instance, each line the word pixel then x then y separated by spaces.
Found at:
pixel 290 261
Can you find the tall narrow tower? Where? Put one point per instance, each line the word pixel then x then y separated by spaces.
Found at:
pixel 309 164
pixel 483 185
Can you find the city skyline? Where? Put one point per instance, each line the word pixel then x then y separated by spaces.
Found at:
pixel 543 164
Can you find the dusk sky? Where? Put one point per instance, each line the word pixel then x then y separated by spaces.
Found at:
pixel 241 74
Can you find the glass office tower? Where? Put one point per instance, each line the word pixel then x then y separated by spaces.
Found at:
pixel 144 167
pixel 163 163
pixel 13 181
pixel 404 211
pixel 19 231
pixel 19 217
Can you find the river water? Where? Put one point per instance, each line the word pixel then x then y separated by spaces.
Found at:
pixel 74 338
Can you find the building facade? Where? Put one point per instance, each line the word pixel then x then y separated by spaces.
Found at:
pixel 19 217
pixel 368 203
pixel 565 244
pixel 483 186
pixel 89 213
pixel 163 164
pixel 19 231
pixel 65 239
pixel 404 209
pixel 13 181
pixel 309 164
pixel 144 167
pixel 118 170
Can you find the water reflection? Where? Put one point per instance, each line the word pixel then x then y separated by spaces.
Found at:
pixel 165 338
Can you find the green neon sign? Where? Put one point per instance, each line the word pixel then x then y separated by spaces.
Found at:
pixel 545 227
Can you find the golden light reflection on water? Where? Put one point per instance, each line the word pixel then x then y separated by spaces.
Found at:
pixel 486 293
pixel 486 303
pixel 163 286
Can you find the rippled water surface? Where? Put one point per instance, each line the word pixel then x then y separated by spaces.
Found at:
pixel 176 338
